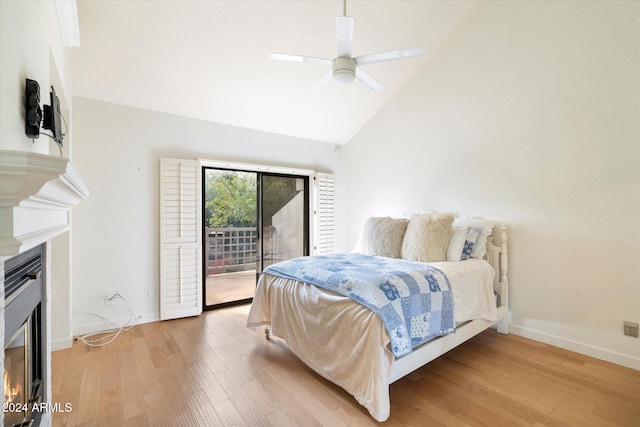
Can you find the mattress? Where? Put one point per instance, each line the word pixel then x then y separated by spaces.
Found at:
pixel 346 342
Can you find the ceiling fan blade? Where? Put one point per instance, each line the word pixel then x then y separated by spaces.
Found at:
pixel 344 35
pixel 368 80
pixel 322 80
pixel 299 58
pixel 388 56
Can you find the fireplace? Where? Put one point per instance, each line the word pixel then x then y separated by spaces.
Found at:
pixel 37 193
pixel 25 341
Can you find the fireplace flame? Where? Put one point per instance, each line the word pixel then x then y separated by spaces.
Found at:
pixel 11 392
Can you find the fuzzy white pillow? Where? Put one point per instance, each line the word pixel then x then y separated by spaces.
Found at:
pixel 382 236
pixel 427 237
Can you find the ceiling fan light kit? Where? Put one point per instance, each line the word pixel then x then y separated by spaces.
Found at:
pixel 344 68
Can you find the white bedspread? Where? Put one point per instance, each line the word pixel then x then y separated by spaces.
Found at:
pixel 346 342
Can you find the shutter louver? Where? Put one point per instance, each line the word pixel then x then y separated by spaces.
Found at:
pixel 324 214
pixel 180 290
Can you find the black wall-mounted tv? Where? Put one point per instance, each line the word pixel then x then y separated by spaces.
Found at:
pixel 52 117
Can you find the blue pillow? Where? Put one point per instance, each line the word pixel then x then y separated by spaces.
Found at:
pixel 473 236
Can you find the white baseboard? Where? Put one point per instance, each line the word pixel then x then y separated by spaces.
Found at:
pixel 579 347
pixel 91 328
pixel 61 343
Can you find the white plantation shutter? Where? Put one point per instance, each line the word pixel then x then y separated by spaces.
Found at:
pixel 180 273
pixel 324 231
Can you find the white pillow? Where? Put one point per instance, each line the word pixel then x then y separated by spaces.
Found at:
pixel 456 243
pixel 382 236
pixel 427 237
pixel 479 248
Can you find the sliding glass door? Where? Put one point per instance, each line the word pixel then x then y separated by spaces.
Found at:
pixel 230 235
pixel 251 220
pixel 284 217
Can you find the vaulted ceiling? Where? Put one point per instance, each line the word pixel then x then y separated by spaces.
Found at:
pixel 208 60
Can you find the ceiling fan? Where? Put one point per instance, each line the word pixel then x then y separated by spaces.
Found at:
pixel 344 68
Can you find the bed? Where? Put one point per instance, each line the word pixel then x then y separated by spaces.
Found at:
pixel 347 343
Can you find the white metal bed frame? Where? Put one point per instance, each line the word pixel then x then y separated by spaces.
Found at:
pixel 497 256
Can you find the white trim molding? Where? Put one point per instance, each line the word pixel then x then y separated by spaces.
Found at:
pixel 251 167
pixel 36 194
pixel 67 13
pixel 627 360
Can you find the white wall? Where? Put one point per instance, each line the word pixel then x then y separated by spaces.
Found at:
pixel 117 151
pixel 531 117
pixel 30 47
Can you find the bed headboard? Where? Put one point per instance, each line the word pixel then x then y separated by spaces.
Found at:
pixel 498 257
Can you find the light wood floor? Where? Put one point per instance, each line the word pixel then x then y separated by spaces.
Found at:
pixel 228 287
pixel 213 371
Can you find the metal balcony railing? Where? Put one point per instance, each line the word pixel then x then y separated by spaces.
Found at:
pixel 231 249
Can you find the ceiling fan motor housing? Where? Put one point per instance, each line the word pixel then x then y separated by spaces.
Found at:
pixel 344 69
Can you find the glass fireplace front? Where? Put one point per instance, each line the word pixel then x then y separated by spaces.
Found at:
pixel 24 343
pixel 16 377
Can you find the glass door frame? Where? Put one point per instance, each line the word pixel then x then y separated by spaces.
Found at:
pixel 306 177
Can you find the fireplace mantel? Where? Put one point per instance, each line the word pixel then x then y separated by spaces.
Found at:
pixel 37 192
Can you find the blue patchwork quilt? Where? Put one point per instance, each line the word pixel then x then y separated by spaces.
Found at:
pixel 414 300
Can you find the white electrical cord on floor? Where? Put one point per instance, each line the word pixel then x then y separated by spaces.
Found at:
pixel 95 340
